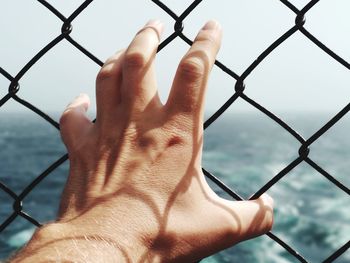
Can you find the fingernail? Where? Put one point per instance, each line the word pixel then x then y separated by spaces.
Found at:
pixel 211 25
pixel 269 199
pixel 153 22
pixel 156 24
pixel 81 95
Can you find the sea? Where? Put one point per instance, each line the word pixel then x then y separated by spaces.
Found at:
pixel 244 150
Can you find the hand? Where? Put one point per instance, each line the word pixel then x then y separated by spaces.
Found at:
pixel 136 188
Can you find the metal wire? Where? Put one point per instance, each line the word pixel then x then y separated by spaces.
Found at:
pixel 14 88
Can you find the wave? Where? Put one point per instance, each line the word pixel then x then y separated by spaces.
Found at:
pixel 20 238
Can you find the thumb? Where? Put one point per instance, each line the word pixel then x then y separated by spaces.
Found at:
pixel 225 223
pixel 251 218
pixel 73 121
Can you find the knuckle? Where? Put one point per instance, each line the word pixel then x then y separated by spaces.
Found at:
pixel 177 140
pixel 208 38
pixel 135 59
pixel 177 133
pixel 105 73
pixel 111 68
pixel 64 119
pixel 192 69
pixel 69 115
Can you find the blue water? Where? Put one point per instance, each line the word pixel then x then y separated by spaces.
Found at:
pixel 244 150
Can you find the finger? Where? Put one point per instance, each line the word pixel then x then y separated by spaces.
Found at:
pixel 139 81
pixel 108 83
pixel 189 86
pixel 74 122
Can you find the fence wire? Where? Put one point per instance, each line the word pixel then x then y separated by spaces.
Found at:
pixel 239 88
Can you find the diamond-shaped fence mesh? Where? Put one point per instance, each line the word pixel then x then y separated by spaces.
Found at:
pixel 239 92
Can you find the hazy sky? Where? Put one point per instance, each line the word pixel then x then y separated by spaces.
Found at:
pixel 297 76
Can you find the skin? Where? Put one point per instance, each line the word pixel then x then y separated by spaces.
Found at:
pixel 136 191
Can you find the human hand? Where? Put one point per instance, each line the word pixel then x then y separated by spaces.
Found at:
pixel 136 185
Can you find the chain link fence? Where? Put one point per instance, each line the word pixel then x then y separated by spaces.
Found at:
pixel 239 84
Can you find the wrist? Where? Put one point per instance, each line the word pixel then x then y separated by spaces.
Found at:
pixel 67 242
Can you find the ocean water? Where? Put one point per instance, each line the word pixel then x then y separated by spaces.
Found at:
pixel 243 150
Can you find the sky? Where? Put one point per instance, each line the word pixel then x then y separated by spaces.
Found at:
pixel 296 77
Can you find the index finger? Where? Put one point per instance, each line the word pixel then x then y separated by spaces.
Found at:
pixel 189 86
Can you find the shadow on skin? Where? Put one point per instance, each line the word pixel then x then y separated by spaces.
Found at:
pixel 177 244
pixel 169 240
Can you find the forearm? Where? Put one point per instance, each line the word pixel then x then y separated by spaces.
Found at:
pixel 58 243
pixel 120 232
